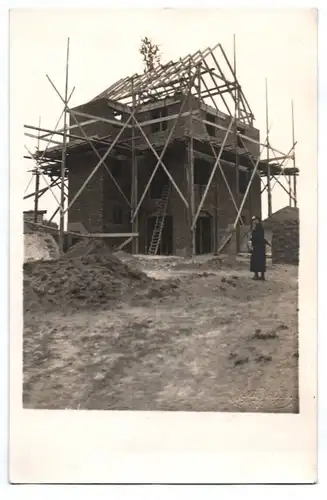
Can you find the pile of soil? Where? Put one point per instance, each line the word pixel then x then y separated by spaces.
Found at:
pixel 40 246
pixel 88 246
pixel 91 280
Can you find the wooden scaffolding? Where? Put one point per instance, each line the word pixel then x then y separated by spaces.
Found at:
pixel 206 75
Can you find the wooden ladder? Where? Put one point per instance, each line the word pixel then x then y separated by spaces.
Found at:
pixel 160 220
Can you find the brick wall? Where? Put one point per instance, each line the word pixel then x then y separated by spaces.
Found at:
pixel 94 207
pixel 98 108
pixel 285 243
pixel 88 207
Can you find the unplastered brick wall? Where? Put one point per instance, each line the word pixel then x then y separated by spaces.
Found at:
pixel 160 135
pixel 285 243
pixel 181 231
pixel 250 133
pixel 172 108
pixel 284 226
pixel 178 167
pixel 94 207
pixel 113 200
pixel 174 163
pixel 88 207
pixel 98 108
pixel 227 209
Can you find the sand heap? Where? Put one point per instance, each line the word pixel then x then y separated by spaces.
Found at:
pixel 93 278
pixel 40 246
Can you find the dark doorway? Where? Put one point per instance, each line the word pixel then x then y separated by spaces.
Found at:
pixel 203 235
pixel 202 171
pixel 166 241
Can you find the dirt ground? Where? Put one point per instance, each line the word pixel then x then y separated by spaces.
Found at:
pixel 191 335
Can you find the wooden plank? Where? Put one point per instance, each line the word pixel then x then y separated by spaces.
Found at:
pixel 167 118
pixel 99 118
pixel 223 245
pixel 154 105
pixel 122 245
pixel 104 235
pixel 33 136
pixel 59 131
pixel 249 139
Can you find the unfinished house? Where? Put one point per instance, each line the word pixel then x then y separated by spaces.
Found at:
pixel 166 162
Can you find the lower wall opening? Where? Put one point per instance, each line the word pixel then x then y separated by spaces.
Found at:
pixel 203 235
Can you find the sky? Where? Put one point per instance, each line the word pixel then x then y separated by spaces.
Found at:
pixel 277 45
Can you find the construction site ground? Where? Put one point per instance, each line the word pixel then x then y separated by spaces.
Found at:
pixel 159 333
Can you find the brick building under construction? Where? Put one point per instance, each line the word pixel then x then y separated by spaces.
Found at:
pixel 168 162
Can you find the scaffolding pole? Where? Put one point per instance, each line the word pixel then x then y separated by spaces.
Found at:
pixel 73 114
pixel 239 212
pixel 166 80
pixel 37 180
pixel 134 184
pixel 216 164
pixel 37 166
pixel 217 156
pixel 216 218
pixel 268 164
pixel 237 171
pixel 160 157
pixel 190 171
pixel 190 183
pixel 294 163
pixel 63 163
pixel 100 162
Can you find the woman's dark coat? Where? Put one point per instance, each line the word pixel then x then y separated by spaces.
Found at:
pixel 258 254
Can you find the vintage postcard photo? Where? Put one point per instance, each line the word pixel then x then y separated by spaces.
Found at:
pixel 163 184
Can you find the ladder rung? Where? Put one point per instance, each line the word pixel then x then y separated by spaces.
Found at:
pixel 160 220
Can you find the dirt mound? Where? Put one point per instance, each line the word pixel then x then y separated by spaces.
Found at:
pixel 40 246
pixel 87 281
pixel 121 254
pixel 236 262
pixel 88 246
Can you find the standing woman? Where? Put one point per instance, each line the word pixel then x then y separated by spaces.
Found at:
pixel 258 250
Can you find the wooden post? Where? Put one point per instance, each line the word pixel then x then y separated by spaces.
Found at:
pixel 268 164
pixel 63 164
pixel 37 180
pixel 237 170
pixel 250 198
pixel 294 163
pixel 134 190
pixel 216 212
pixel 36 196
pixel 295 190
pixel 190 183
pixel 190 169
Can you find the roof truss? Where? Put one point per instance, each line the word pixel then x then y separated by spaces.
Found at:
pixel 210 71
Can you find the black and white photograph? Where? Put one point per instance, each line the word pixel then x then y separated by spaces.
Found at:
pixel 161 167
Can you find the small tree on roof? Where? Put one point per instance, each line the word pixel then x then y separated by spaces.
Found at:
pixel 150 53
